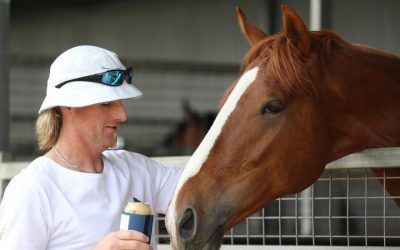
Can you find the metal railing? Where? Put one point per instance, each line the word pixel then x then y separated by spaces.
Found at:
pixel 347 206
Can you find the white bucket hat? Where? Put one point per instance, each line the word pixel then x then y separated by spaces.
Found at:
pixel 83 61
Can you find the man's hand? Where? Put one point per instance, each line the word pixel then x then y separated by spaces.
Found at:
pixel 123 240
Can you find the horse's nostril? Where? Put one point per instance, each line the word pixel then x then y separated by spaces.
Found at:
pixel 187 226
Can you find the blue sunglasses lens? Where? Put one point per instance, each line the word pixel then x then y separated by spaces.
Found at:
pixel 117 77
pixel 113 78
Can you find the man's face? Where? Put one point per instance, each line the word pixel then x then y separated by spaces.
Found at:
pixel 97 124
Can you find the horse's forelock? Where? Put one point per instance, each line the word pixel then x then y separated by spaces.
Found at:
pixel 287 64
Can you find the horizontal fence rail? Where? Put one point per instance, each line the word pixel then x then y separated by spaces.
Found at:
pixel 346 207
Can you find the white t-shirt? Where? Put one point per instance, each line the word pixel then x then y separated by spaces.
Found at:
pixel 47 206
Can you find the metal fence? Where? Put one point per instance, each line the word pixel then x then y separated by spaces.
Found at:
pixel 346 207
pixel 343 208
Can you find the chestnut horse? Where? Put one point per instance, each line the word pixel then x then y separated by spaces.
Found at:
pixel 304 99
pixel 188 133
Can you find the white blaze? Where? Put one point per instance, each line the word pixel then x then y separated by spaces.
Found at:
pixel 200 155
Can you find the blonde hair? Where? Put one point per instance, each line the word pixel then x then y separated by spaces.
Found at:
pixel 48 127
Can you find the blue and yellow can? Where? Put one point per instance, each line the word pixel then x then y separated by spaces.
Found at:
pixel 137 216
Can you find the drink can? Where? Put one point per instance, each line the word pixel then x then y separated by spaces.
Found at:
pixel 137 216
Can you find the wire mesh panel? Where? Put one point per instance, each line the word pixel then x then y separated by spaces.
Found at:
pixel 345 207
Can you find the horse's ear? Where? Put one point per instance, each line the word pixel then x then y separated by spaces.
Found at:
pixel 251 32
pixel 295 29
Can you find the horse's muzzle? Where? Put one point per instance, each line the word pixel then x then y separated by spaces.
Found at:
pixel 195 234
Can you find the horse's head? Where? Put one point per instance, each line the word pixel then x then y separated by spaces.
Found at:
pixel 272 137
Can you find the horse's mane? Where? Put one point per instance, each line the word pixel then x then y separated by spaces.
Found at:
pixel 288 64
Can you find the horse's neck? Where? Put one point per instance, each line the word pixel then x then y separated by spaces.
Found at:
pixel 366 87
pixel 384 67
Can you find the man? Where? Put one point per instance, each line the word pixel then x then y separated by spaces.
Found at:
pixel 73 195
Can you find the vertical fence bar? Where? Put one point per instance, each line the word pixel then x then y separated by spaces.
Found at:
pixel 4 78
pixel 315 14
pixel 272 7
pixel 384 207
pixel 280 221
pixel 263 227
pixel 320 14
pixel 247 232
pixel 347 207
pixel 330 207
pixel 296 218
pixel 232 242
pixel 305 212
pixel 365 207
pixel 313 214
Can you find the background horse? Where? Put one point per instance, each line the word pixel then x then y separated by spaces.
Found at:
pixel 188 133
pixel 303 100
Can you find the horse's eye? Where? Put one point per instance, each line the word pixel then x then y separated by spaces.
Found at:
pixel 272 107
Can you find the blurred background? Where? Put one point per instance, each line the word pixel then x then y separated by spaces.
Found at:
pixel 184 54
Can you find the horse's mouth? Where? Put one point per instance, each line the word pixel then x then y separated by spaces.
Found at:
pixel 215 240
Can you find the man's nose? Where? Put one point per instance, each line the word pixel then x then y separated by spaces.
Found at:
pixel 120 111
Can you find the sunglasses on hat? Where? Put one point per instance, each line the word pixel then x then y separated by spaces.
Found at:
pixel 110 78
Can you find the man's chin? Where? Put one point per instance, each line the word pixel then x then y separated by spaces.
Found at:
pixel 113 144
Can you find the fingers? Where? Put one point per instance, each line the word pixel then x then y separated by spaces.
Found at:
pixel 131 235
pixel 131 245
pixel 124 240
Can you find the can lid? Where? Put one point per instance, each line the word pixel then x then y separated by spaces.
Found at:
pixel 138 208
